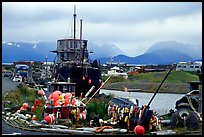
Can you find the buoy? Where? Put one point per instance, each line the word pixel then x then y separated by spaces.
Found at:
pixel 83 78
pixel 67 95
pixel 41 93
pixel 57 92
pixel 73 94
pixel 78 114
pixel 126 119
pixel 72 111
pixel 74 101
pixel 58 103
pixel 89 81
pixel 139 130
pixel 67 102
pixel 55 96
pixel 83 115
pixel 50 119
pixel 33 108
pixel 33 117
pixel 61 97
pixel 37 102
pixel 50 97
pixel 22 108
pixel 25 105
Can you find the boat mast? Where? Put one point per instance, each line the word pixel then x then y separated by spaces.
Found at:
pixel 74 26
pixel 81 44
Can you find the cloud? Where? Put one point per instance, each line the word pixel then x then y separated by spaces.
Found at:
pixel 132 26
pixel 187 29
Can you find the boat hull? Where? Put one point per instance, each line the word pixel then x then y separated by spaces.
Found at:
pixel 92 77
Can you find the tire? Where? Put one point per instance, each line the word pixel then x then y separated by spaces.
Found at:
pixel 191 119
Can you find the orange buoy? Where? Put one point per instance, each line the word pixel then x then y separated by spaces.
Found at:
pixel 74 101
pixel 73 94
pixel 22 108
pixel 50 119
pixel 82 115
pixel 41 93
pixel 33 117
pixel 33 108
pixel 83 78
pixel 57 103
pixel 67 95
pixel 139 130
pixel 57 92
pixel 55 96
pixel 67 102
pixel 50 97
pixel 25 105
pixel 89 81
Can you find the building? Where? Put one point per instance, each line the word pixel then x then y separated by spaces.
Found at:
pixel 189 66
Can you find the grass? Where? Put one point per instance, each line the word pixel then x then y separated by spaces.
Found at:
pixel 176 82
pixel 182 77
pixel 98 106
pixel 114 79
pixel 174 77
pixel 21 95
pixel 157 77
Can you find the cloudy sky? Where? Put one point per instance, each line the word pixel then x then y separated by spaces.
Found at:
pixel 131 26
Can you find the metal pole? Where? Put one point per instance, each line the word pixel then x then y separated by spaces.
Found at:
pixel 143 111
pixel 98 89
pixel 160 85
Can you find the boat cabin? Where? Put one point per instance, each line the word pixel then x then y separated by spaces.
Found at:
pixel 71 50
pixel 64 87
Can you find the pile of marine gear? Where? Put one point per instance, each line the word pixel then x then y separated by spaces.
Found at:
pixel 60 112
pixel 50 110
pixel 127 113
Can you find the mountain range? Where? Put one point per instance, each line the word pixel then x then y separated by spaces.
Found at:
pixel 165 52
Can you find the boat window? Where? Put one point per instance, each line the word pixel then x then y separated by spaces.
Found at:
pixel 196 66
pixel 77 44
pixel 71 44
pixel 71 89
pixel 59 42
pixel 85 44
pixel 184 67
pixel 191 66
pixel 69 56
pixel 65 56
pixel 65 88
pixel 67 44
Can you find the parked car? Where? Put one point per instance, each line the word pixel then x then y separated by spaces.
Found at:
pixel 17 78
pixel 8 74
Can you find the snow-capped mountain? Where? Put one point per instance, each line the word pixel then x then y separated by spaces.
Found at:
pixel 15 51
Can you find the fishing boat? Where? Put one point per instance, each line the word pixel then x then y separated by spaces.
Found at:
pixel 73 63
